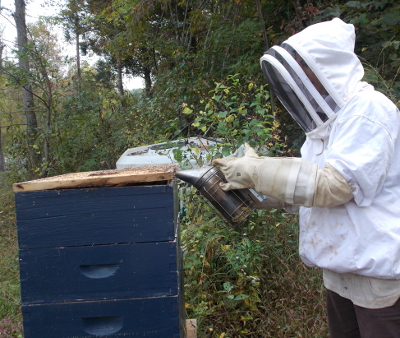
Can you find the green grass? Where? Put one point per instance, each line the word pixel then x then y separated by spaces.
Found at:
pixel 10 314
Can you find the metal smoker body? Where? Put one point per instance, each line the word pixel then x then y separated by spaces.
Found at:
pixel 233 205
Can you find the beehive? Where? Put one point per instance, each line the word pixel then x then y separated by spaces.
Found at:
pixel 100 254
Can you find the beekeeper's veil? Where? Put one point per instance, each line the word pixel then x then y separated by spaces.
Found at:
pixel 326 50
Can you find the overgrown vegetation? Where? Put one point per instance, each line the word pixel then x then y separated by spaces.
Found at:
pixel 10 314
pixel 199 60
pixel 249 281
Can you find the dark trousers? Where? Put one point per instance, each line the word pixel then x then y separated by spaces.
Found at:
pixel 347 320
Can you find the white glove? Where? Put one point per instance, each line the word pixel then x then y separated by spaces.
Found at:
pixel 291 180
pixel 240 172
pixel 270 203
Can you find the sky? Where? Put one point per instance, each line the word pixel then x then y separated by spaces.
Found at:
pixel 35 9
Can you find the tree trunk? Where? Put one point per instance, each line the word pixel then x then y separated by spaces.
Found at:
pixel 27 95
pixel 2 162
pixel 120 85
pixel 78 55
pixel 147 81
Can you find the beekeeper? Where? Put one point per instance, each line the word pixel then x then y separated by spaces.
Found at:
pixel 347 183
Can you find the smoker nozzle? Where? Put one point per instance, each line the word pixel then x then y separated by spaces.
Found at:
pixel 191 176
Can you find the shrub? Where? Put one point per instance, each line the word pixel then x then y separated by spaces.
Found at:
pixel 248 280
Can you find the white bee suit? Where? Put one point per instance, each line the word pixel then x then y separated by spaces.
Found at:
pixel 363 235
pixel 357 243
pixel 347 182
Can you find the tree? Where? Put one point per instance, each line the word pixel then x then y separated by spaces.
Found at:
pixel 27 94
pixel 45 56
pixel 378 39
pixel 44 74
pixel 73 19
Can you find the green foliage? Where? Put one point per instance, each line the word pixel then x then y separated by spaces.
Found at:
pixel 248 280
pixel 377 39
pixel 83 138
pixel 235 111
pixel 98 126
pixel 389 87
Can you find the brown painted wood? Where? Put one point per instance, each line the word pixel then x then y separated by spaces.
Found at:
pixel 103 178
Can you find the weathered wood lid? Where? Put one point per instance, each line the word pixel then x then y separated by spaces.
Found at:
pixel 117 177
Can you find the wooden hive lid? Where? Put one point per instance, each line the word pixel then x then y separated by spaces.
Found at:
pixel 117 177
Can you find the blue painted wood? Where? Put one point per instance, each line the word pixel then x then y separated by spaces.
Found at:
pixel 152 317
pixel 99 272
pixel 100 262
pixel 75 217
pixel 53 203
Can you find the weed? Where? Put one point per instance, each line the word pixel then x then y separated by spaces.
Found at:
pixel 10 315
pixel 249 281
pixel 8 328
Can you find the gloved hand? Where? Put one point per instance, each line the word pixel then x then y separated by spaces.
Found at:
pixel 240 172
pixel 272 176
pixel 288 179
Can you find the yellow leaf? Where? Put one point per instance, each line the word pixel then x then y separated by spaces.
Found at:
pixel 251 84
pixel 195 150
pixel 222 335
pixel 230 118
pixel 187 111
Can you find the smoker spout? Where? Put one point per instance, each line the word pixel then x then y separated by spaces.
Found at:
pixel 191 176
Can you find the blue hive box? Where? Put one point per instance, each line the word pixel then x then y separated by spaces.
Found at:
pixel 100 255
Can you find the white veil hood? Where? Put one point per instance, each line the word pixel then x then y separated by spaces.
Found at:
pixel 328 49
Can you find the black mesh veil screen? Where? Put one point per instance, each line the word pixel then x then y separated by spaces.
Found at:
pixel 288 97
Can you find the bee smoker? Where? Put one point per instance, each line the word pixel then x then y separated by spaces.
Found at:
pixel 233 205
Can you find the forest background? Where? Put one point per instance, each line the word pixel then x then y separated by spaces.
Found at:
pixel 199 60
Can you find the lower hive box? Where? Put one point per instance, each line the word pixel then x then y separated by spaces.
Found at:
pixel 152 317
